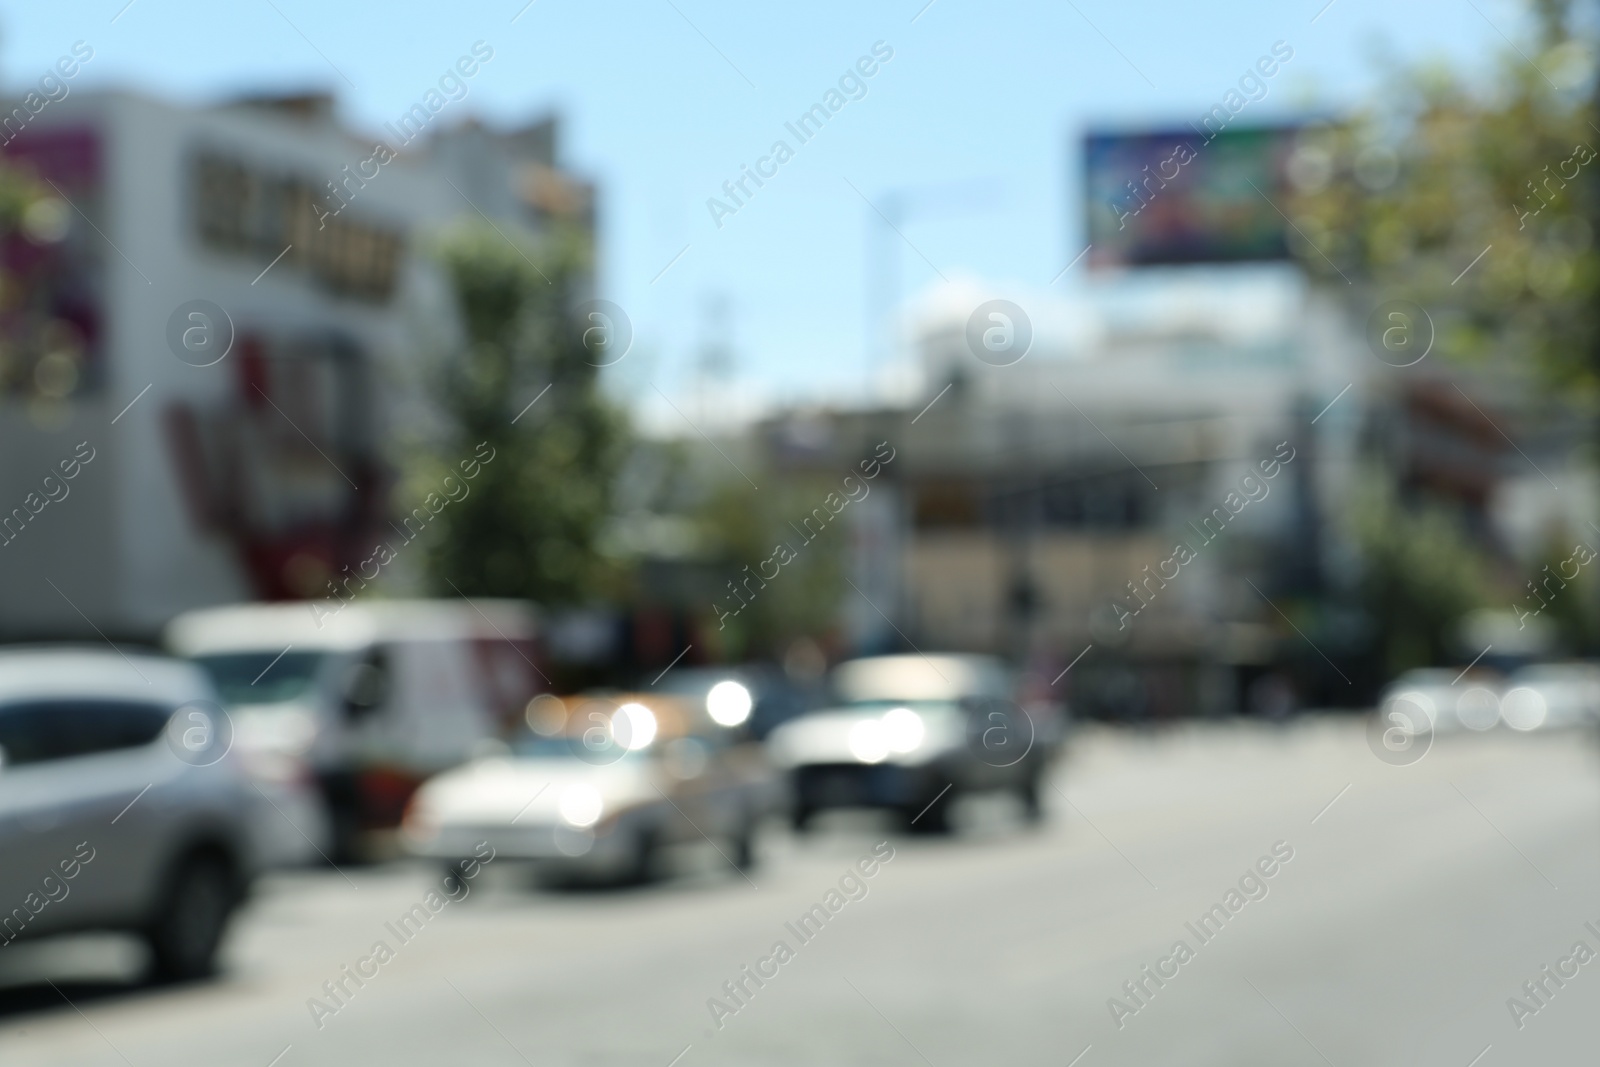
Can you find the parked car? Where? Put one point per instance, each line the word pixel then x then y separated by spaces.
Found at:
pixel 342 711
pixel 1449 699
pixel 911 733
pixel 103 824
pixel 1548 696
pixel 594 788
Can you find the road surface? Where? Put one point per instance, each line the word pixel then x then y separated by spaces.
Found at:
pixel 1417 902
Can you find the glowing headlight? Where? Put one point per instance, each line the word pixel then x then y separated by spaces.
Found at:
pixel 902 730
pixel 580 805
pixel 1524 709
pixel 634 726
pixel 728 703
pixel 867 741
pixel 1478 708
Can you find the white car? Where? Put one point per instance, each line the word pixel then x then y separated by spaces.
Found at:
pixel 119 806
pixel 1552 696
pixel 1447 699
pixel 597 787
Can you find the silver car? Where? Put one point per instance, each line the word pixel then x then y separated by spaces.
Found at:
pixel 910 734
pixel 1441 699
pixel 119 809
pixel 598 786
pixel 1552 696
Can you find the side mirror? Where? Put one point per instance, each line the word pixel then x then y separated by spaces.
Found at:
pixel 4 759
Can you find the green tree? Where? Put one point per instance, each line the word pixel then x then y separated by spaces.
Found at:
pixel 529 525
pixel 744 530
pixel 1560 590
pixel 1477 198
pixel 1400 200
pixel 1421 574
pixel 688 526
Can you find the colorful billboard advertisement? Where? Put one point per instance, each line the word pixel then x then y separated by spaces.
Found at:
pixel 1178 196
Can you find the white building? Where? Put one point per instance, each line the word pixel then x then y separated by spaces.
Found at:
pixel 1034 487
pixel 261 470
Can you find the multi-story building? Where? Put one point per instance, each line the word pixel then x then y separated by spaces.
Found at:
pixel 214 320
pixel 1168 476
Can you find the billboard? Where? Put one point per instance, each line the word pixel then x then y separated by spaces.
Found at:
pixel 1180 196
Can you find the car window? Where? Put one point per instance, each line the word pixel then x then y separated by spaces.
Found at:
pixel 600 751
pixel 37 731
pixel 267 676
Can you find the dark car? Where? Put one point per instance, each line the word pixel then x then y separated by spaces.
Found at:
pixel 774 697
pixel 911 733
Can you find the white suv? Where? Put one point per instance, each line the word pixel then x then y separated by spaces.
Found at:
pixel 119 809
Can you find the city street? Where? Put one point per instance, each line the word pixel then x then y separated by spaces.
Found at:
pixel 1415 902
pixel 923 533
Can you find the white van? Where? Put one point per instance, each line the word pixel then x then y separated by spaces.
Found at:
pixel 344 713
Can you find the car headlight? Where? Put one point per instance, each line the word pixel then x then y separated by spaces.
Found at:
pixel 580 805
pixel 1478 708
pixel 728 703
pixel 867 742
pixel 903 730
pixel 633 726
pixel 1524 709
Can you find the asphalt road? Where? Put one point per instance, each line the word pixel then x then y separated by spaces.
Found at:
pixel 1413 907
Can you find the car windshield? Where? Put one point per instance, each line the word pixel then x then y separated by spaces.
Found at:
pixel 1425 678
pixel 1555 674
pixel 266 677
pixel 695 681
pixel 530 745
pixel 877 707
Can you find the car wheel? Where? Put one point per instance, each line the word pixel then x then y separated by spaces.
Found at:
pixel 454 879
pixel 931 818
pixel 1032 808
pixel 349 839
pixel 191 917
pixel 744 846
pixel 645 865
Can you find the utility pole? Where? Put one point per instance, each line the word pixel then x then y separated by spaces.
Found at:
pixel 886 222
pixel 714 362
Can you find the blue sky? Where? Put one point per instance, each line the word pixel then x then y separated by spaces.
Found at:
pixel 976 117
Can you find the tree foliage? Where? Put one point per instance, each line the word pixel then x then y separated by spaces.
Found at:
pixel 1402 199
pixel 529 524
pixel 746 529
pixel 1421 575
pixel 692 527
pixel 1478 199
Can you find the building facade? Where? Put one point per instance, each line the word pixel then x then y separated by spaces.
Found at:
pixel 219 334
pixel 1164 481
